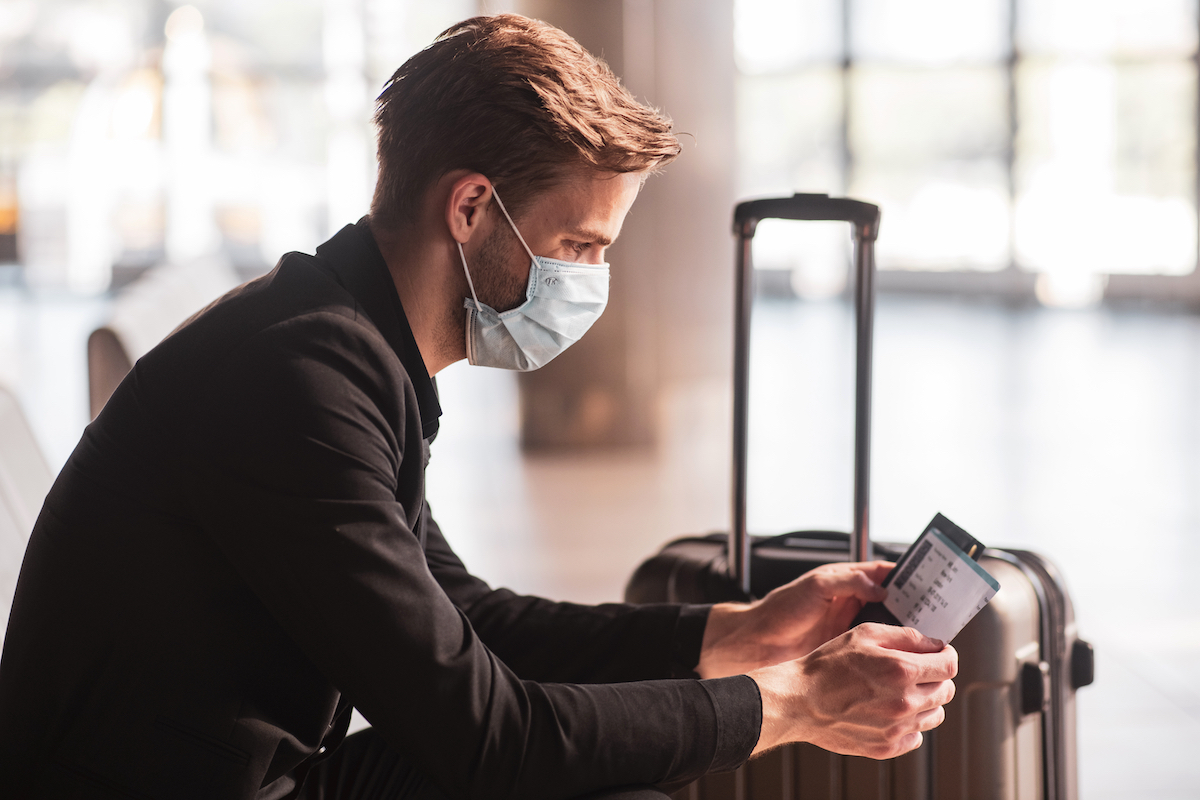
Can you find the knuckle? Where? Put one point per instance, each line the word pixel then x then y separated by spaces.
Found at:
pixel 878 746
pixel 903 707
pixel 911 634
pixel 903 672
pixel 882 751
pixel 900 740
pixel 932 719
pixel 872 630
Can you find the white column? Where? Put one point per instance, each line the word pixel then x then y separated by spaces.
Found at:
pixel 90 245
pixel 668 326
pixel 349 174
pixel 187 138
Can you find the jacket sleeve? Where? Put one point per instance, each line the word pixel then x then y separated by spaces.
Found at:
pixel 544 640
pixel 308 478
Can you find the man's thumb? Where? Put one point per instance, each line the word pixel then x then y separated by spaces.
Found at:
pixel 909 639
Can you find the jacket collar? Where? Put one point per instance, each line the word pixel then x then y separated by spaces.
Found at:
pixel 359 266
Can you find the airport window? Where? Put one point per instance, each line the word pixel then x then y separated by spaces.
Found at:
pixel 1029 137
pixel 216 127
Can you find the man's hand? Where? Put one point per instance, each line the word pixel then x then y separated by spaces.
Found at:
pixel 790 621
pixel 870 692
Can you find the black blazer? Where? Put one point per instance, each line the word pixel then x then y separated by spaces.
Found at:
pixel 239 550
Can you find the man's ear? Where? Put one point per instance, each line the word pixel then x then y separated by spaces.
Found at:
pixel 469 195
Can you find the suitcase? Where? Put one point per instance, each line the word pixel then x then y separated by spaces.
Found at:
pixel 1009 734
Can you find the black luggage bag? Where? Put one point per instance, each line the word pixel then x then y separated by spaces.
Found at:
pixel 1009 734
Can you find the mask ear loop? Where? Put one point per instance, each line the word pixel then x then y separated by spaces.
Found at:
pixel 470 283
pixel 462 256
pixel 520 238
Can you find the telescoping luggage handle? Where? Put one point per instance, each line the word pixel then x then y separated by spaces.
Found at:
pixel 864 219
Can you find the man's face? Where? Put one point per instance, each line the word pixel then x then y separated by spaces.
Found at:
pixel 574 221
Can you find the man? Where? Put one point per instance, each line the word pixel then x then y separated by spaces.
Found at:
pixel 239 550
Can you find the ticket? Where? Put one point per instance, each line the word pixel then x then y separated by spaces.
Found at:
pixel 937 588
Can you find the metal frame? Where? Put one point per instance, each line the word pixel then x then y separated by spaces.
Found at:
pixel 864 218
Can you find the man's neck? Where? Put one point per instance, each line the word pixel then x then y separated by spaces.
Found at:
pixel 421 271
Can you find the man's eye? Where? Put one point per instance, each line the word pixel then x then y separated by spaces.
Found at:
pixel 579 248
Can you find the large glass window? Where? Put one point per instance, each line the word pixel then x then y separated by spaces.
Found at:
pixel 134 132
pixel 1055 137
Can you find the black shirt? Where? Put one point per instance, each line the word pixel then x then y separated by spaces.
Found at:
pixel 239 550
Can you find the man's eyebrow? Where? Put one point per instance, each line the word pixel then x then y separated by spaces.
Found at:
pixel 594 237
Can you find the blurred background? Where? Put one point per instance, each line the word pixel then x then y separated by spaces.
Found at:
pixel 1037 339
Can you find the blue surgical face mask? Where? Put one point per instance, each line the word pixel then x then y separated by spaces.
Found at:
pixel 562 300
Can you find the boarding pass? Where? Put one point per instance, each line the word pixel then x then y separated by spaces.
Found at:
pixel 937 587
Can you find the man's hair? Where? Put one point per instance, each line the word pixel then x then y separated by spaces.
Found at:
pixel 512 98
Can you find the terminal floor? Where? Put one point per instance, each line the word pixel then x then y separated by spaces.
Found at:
pixel 1075 433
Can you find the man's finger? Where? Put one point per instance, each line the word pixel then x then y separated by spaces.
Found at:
pixel 928 720
pixel 908 639
pixel 853 583
pixel 910 742
pixel 933 695
pixel 936 667
pixel 875 570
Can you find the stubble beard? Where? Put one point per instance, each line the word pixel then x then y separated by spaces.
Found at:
pixel 495 283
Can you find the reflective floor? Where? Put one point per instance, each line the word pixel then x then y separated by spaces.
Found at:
pixel 1075 433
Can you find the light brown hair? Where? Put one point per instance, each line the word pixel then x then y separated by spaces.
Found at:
pixel 516 100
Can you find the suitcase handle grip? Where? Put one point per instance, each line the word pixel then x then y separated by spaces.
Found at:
pixel 864 218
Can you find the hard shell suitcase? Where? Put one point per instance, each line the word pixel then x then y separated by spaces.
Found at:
pixel 1009 733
